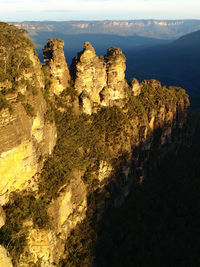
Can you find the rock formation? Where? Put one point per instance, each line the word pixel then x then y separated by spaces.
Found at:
pixel 135 87
pixel 97 158
pixel 116 83
pixel 58 69
pixel 90 73
pixel 5 260
pixel 26 136
pixel 99 80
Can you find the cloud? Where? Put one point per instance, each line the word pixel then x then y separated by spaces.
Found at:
pixel 60 11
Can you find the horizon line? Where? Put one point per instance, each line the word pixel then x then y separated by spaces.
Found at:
pixel 151 19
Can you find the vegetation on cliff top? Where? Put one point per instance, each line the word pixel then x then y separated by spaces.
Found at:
pixel 83 141
pixel 16 69
pixel 13 52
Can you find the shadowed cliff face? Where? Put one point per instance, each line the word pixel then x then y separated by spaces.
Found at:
pixel 135 149
pixel 158 223
pixel 104 146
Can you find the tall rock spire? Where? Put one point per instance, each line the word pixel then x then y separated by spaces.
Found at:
pixel 115 67
pixel 59 73
pixel 89 73
pixel 99 80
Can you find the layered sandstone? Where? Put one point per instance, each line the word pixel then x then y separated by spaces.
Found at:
pixel 5 260
pixel 99 80
pixel 66 212
pixel 57 67
pixel 27 138
pixel 90 73
pixel 116 83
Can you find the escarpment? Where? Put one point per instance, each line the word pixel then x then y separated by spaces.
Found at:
pixel 115 136
pixel 27 138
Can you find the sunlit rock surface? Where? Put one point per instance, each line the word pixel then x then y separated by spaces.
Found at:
pixel 57 66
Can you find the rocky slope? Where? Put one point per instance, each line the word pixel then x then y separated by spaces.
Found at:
pixel 110 136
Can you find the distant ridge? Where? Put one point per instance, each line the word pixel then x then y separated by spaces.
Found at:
pixel 190 39
pixel 176 63
pixel 163 29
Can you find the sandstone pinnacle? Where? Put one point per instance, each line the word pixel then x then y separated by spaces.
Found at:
pixel 57 66
pixel 89 74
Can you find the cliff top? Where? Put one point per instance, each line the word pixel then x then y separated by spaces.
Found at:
pixel 13 51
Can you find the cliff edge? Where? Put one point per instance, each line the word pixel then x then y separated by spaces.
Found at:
pixel 27 138
pixel 87 134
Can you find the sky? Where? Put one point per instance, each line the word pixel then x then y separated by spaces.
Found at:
pixel 62 10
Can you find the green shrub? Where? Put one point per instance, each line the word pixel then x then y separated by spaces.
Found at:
pixel 48 82
pixel 70 91
pixel 29 109
pixel 22 206
pixel 14 52
pixel 20 97
pixel 3 103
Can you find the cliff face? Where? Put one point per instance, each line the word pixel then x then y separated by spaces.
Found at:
pixel 115 140
pixel 26 136
pixel 4 258
pixel 135 139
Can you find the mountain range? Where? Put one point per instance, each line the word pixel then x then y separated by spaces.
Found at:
pixel 162 29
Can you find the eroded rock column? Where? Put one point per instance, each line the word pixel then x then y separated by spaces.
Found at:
pixel 89 74
pixel 59 73
pixel 116 83
pixel 99 80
